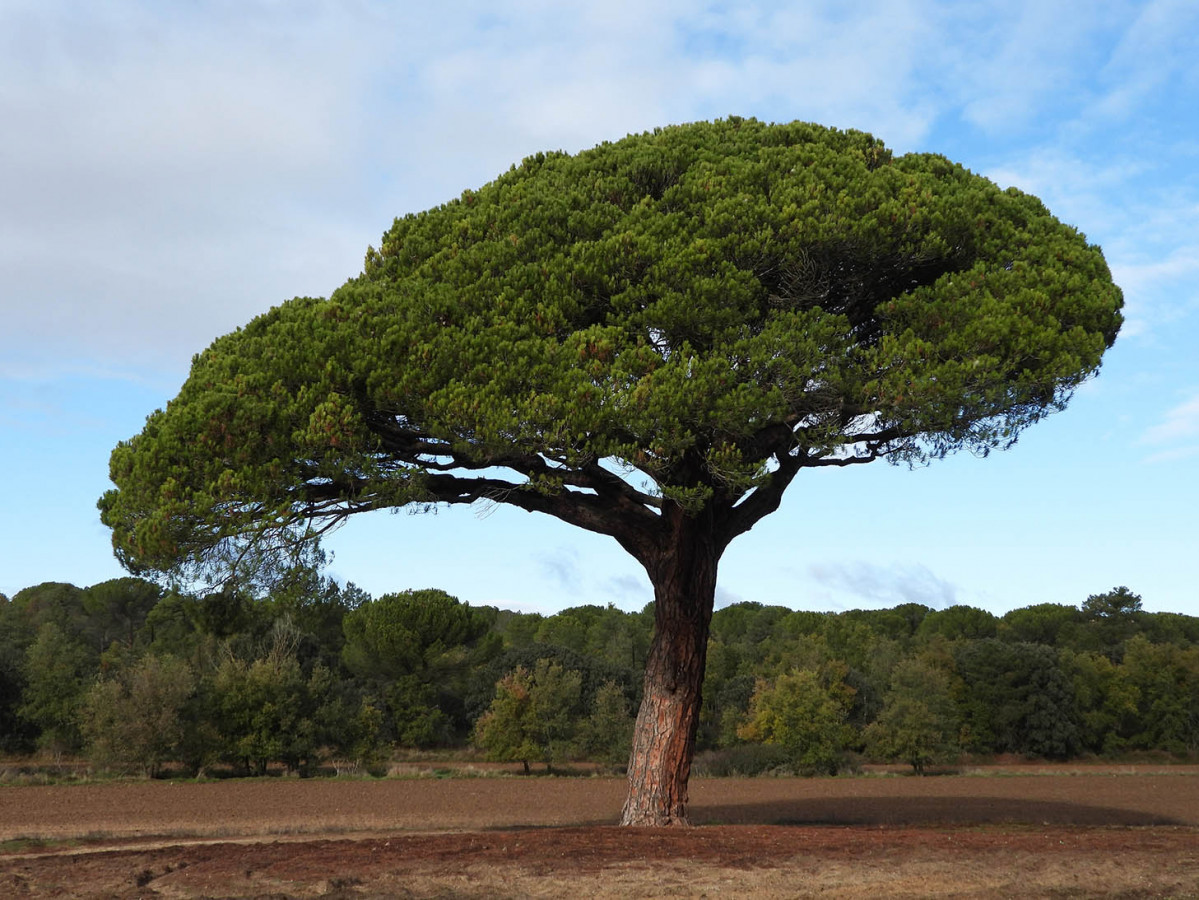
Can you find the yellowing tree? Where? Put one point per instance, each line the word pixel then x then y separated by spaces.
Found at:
pixel 535 715
pixel 804 716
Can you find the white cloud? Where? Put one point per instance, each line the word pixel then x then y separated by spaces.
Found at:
pixel 33 409
pixel 1160 290
pixel 1174 455
pixel 1146 222
pixel 1177 433
pixel 1077 188
pixel 562 567
pixel 1117 155
pixel 166 178
pixel 727 598
pixel 885 586
pixel 170 171
pixel 628 592
pixel 1156 52
pixel 814 61
pixel 1014 61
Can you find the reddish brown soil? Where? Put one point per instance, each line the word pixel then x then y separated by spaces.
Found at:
pixel 1069 835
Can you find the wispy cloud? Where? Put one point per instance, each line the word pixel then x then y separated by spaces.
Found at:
pixel 628 592
pixel 819 62
pixel 1146 220
pixel 1077 188
pixel 725 597
pixel 1177 454
pixel 1159 291
pixel 1014 62
pixel 1154 56
pixel 170 171
pixel 879 585
pixel 29 408
pixel 1177 435
pixel 562 567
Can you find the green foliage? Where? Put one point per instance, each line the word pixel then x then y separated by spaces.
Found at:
pixel 725 705
pixel 563 630
pixel 594 673
pixel 1015 698
pixel 418 650
pixel 742 761
pixel 517 630
pixel 50 601
pixel 1111 619
pixel 1165 679
pixel 268 709
pixel 710 306
pixel 505 731
pixel 600 632
pixel 534 716
pixel 317 607
pixel 648 340
pixel 134 719
pixel 1117 604
pixel 806 715
pixel 354 735
pixel 898 623
pixel 224 613
pixel 1105 700
pixel 407 633
pixel 252 702
pixel 16 734
pixel 918 723
pixel 117 609
pixel 260 680
pixel 170 627
pixel 1046 623
pixel 607 734
pixel 1170 628
pixel 416 719
pixel 745 640
pixel 746 624
pixel 56 670
pixel 957 622
pixel 850 638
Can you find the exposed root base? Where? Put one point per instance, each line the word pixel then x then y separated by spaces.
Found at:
pixel 650 820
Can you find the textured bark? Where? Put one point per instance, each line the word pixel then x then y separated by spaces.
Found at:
pixel 684 579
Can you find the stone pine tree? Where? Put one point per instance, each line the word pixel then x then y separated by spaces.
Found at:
pixel 649 340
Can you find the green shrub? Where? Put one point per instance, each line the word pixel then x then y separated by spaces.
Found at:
pixel 744 760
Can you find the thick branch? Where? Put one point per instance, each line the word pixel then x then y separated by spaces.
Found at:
pixel 634 526
pixel 412 447
pixel 610 511
pixel 764 500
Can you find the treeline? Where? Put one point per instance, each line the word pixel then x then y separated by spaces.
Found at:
pixel 137 679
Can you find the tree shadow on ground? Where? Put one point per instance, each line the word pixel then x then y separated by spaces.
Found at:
pixel 920 811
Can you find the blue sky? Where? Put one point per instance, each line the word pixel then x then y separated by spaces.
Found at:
pixel 170 170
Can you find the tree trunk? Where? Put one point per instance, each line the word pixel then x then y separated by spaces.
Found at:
pixel 684 579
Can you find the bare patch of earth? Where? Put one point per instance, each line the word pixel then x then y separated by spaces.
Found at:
pixel 1079 835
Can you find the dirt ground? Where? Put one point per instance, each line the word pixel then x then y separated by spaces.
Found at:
pixel 1122 833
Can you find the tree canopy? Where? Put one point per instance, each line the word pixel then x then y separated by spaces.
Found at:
pixel 180 698
pixel 648 340
pixel 687 316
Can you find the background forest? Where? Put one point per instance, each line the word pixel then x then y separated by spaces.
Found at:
pixel 138 679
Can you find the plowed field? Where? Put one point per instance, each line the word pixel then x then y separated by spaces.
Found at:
pixel 1124 833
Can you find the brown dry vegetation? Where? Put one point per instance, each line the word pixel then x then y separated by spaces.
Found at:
pixel 1077 833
